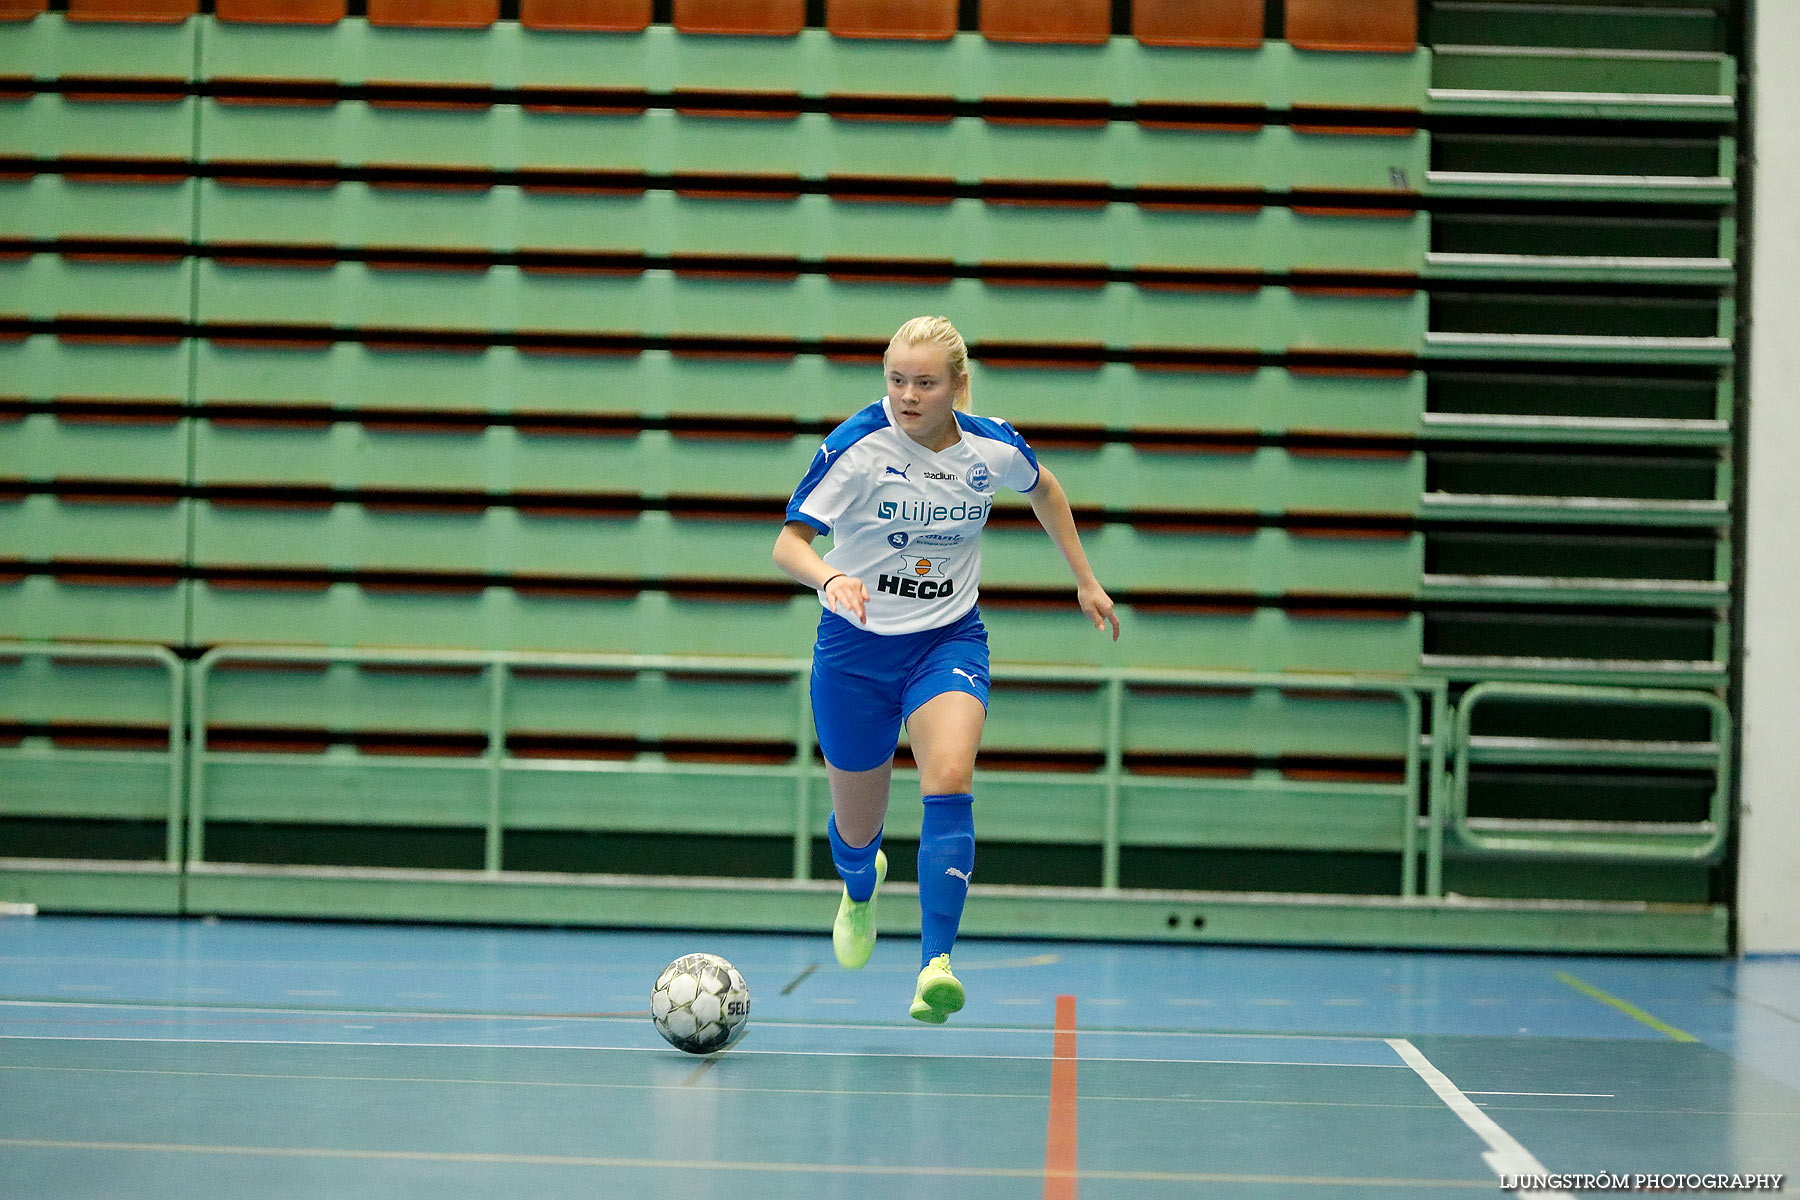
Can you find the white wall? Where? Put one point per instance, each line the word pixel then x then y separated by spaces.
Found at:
pixel 1769 879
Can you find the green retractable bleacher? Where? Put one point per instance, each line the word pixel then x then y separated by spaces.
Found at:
pixel 1401 370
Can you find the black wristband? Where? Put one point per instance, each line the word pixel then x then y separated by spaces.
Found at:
pixel 827 583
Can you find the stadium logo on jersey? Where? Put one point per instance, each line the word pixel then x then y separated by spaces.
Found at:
pixel 898 540
pixel 937 474
pixel 978 477
pixel 917 512
pixel 900 471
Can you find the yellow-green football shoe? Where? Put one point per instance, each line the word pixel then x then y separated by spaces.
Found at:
pixel 939 993
pixel 853 933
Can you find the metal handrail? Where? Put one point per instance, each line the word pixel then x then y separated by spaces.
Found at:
pixel 1439 774
pixel 1420 779
pixel 173 665
pixel 1585 839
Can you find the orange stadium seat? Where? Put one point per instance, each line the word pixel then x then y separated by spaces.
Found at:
pixel 585 16
pixel 1229 24
pixel 434 14
pixel 1072 22
pixel 757 18
pixel 1390 26
pixel 923 20
pixel 283 12
pixel 149 11
pixel 21 10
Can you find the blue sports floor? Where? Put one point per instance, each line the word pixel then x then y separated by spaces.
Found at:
pixel 160 1058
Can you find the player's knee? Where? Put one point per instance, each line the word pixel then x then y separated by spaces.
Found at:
pixel 946 779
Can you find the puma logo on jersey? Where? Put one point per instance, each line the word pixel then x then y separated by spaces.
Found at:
pixel 900 471
pixel 962 875
pixel 965 675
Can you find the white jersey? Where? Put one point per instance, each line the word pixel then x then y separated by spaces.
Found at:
pixel 907 520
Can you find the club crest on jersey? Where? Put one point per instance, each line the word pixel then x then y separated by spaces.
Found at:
pixel 978 478
pixel 923 566
pixel 898 540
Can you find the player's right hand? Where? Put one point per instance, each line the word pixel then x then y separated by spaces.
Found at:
pixel 846 592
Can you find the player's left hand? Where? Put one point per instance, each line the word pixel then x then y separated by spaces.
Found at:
pixel 1098 607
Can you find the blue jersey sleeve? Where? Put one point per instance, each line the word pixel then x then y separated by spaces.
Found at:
pixel 826 489
pixel 809 483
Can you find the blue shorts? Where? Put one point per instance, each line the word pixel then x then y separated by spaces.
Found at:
pixel 864 685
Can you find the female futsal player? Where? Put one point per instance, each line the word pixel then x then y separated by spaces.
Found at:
pixel 904 487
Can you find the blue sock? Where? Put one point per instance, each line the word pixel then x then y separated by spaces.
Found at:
pixel 946 860
pixel 855 864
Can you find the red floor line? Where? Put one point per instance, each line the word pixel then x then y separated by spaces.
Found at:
pixel 1060 1180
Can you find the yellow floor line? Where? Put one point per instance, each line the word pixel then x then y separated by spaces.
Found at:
pixel 1625 1006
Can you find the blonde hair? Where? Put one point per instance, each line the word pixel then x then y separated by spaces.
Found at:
pixel 939 331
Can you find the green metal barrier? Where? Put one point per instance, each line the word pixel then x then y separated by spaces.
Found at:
pixel 1680 842
pixel 507 779
pixel 499 792
pixel 40 780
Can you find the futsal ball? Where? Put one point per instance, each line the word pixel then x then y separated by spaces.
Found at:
pixel 700 1003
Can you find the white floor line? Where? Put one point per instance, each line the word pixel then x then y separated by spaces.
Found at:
pixel 737 1051
pixel 1505 1156
pixel 713 1085
pixel 688 1167
pixel 1592 1095
pixel 405 1014
pixel 323 1012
